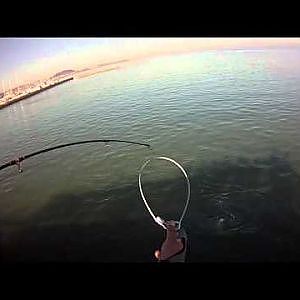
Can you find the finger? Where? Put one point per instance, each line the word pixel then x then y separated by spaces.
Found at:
pixel 171 228
pixel 171 223
pixel 157 254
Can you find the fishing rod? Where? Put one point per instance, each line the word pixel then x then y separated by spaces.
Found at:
pixel 21 158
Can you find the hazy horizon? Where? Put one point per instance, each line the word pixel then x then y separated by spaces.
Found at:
pixel 25 60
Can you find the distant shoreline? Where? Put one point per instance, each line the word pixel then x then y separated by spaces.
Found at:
pixel 118 64
pixel 30 94
pixel 100 68
pixel 87 72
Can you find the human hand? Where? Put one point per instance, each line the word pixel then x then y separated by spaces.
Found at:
pixel 172 243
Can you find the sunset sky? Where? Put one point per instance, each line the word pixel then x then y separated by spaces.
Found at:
pixel 27 59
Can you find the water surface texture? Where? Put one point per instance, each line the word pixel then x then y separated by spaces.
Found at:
pixel 231 118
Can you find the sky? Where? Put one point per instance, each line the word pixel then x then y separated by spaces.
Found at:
pixel 27 59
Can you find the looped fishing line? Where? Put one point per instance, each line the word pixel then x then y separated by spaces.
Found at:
pixel 157 219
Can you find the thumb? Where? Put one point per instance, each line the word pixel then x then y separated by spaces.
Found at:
pixel 157 254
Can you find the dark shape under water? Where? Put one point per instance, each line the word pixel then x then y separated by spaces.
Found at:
pixel 242 210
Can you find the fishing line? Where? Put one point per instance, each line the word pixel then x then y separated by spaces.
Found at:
pixel 158 219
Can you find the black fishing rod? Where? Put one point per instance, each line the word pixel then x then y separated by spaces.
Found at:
pixel 21 158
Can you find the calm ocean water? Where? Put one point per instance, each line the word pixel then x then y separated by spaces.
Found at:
pixel 231 118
